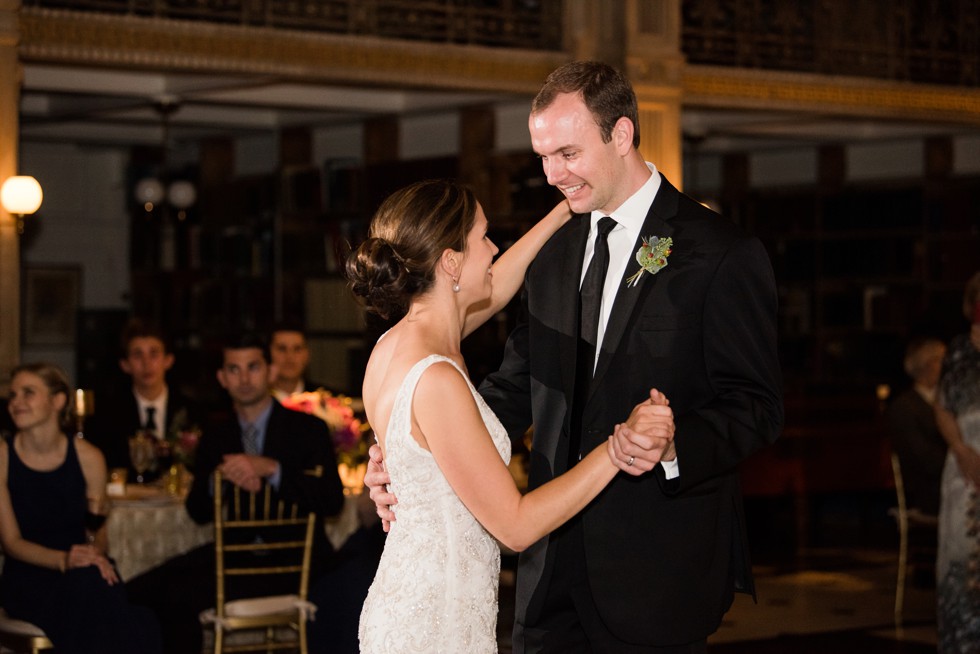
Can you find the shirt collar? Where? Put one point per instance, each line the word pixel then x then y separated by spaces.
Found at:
pixel 261 421
pixel 283 395
pixel 160 404
pixel 633 212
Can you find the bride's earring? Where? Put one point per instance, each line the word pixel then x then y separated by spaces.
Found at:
pixel 455 285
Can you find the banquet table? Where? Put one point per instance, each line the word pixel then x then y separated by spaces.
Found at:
pixel 147 526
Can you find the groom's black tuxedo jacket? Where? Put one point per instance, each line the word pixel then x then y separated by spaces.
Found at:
pixel 663 557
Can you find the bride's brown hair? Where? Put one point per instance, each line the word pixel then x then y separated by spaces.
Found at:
pixel 408 234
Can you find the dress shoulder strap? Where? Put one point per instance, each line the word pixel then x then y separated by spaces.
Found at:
pixel 403 400
pixel 416 372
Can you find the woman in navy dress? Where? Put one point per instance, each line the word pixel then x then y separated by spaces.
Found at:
pixel 52 527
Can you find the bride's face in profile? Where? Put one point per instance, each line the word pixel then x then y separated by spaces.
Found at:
pixel 475 278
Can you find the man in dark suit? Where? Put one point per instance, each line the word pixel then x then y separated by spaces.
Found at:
pixel 149 403
pixel 262 442
pixel 653 563
pixel 290 354
pixel 912 426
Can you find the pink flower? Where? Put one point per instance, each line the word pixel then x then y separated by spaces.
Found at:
pixel 346 430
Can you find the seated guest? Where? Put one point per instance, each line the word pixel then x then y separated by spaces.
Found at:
pixel 913 431
pixel 261 443
pixel 339 592
pixel 52 528
pixel 290 358
pixel 148 404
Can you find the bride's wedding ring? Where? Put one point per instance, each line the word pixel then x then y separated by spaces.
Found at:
pixel 630 462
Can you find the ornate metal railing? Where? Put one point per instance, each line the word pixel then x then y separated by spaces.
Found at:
pixel 529 24
pixel 929 41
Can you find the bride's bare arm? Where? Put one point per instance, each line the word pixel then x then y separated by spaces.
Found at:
pixel 509 268
pixel 450 426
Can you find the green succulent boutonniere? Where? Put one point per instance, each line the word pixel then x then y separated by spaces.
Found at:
pixel 652 256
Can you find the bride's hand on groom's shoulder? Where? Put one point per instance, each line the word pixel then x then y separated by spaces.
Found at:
pixel 376 479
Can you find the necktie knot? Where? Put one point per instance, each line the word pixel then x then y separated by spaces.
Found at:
pixel 605 226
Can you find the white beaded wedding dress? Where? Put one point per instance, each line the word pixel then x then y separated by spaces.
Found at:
pixel 436 586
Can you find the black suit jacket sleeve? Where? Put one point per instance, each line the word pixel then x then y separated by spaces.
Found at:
pixel 508 390
pixel 742 368
pixel 307 462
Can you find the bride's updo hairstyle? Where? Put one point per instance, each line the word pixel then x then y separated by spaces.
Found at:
pixel 408 235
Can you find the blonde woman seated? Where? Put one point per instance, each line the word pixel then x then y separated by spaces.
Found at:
pixel 429 262
pixel 52 490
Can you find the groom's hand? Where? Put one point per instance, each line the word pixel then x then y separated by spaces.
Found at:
pixel 376 479
pixel 647 436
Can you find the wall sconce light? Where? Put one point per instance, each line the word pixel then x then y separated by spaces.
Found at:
pixel 21 196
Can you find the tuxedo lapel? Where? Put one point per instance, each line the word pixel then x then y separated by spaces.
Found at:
pixel 135 419
pixel 657 223
pixel 571 274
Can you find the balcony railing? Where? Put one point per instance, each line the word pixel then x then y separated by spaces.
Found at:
pixel 928 41
pixel 527 24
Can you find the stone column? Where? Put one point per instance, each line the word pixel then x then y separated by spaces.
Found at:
pixel 642 38
pixel 654 63
pixel 10 79
pixel 476 143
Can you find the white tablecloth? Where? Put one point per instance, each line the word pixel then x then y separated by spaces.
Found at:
pixel 148 527
pixel 339 527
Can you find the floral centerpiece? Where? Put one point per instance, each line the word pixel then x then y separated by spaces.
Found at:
pixel 182 439
pixel 347 431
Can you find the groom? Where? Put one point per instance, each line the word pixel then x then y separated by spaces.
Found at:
pixel 653 563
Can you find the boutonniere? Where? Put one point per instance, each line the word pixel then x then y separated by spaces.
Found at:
pixel 652 256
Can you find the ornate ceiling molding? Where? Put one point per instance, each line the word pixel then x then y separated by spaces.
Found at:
pixel 60 36
pixel 743 88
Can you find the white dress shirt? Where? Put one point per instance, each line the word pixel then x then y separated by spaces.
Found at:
pixel 159 416
pixel 629 219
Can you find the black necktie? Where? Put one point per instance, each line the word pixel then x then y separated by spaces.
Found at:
pixel 590 303
pixel 595 278
pixel 151 423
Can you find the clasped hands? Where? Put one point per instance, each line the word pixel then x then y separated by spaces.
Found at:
pixel 635 447
pixel 247 470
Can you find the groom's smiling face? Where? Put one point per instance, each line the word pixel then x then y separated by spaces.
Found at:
pixel 575 159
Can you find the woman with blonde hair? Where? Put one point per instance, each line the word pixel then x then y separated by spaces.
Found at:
pixel 56 574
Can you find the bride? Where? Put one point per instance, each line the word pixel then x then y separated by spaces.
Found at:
pixel 428 261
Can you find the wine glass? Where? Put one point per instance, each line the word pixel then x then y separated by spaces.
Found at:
pixel 142 453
